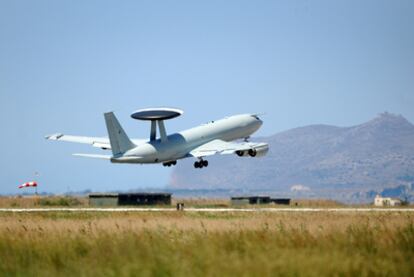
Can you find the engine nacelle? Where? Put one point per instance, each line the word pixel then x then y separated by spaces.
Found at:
pixel 258 151
pixel 242 153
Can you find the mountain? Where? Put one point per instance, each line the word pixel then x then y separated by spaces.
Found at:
pixel 321 159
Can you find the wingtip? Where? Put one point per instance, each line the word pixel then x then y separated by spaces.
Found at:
pixel 54 136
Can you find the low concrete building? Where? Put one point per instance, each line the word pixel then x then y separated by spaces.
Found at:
pixel 386 201
pixel 281 201
pixel 129 199
pixel 144 199
pixel 257 200
pixel 252 200
pixel 101 199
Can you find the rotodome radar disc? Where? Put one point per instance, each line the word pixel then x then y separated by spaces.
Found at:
pixel 156 114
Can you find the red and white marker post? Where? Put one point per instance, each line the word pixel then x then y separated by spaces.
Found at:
pixel 29 185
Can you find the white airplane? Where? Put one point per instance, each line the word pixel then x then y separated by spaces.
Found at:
pixel 206 140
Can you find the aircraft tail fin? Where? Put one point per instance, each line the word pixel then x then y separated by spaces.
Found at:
pixel 120 142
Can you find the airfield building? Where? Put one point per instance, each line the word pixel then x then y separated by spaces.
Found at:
pixel 129 199
pixel 257 200
pixel 386 201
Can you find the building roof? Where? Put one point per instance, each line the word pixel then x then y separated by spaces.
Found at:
pixel 115 195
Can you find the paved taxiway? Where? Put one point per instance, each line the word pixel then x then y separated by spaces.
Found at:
pixel 211 210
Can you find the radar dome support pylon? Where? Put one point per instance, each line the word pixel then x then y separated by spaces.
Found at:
pixel 157 117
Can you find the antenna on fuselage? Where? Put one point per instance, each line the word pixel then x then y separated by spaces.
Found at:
pixel 157 117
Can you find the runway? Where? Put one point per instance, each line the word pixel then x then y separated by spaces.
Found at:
pixel 209 210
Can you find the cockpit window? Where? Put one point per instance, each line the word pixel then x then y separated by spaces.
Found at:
pixel 255 116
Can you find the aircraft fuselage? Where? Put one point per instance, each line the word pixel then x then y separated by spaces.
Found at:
pixel 178 145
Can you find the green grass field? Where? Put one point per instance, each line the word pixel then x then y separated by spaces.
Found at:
pixel 205 244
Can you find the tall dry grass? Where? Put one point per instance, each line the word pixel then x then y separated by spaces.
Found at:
pixel 69 201
pixel 205 244
pixel 42 201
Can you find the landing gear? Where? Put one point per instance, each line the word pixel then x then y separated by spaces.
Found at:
pixel 170 163
pixel 201 164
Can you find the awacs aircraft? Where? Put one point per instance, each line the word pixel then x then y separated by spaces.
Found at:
pixel 215 137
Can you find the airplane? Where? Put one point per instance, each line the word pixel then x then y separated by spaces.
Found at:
pixel 214 138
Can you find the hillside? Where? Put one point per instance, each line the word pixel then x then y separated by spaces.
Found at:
pixel 373 156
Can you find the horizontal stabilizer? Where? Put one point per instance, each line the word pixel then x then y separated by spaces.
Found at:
pixel 94 156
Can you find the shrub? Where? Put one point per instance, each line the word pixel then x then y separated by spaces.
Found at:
pixel 59 201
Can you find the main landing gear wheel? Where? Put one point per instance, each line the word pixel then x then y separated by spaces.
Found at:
pixel 201 164
pixel 170 163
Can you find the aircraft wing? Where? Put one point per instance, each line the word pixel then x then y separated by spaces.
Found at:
pixel 99 142
pixel 221 147
pixel 94 141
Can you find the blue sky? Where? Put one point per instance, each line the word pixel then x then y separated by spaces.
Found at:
pixel 64 63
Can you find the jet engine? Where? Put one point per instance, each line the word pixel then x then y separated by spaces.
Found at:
pixel 242 153
pixel 258 151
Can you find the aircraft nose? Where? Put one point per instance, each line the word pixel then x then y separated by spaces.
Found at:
pixel 257 118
